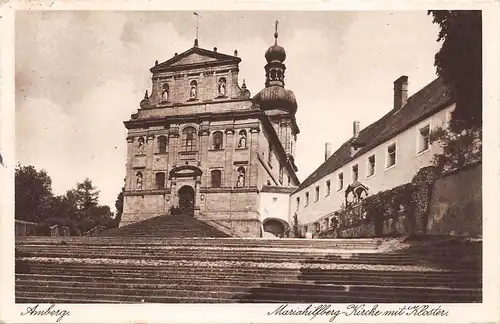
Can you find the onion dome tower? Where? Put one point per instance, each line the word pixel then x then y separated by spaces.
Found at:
pixel 274 95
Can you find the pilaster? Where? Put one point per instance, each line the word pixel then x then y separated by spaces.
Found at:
pixel 149 176
pixel 254 150
pixel 228 166
pixel 173 142
pixel 203 149
pixel 129 172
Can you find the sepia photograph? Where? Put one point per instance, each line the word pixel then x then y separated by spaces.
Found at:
pixel 245 157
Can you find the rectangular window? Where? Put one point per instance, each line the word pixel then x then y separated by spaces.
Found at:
pixel 391 155
pixel 216 178
pixel 298 203
pixel 327 193
pixel 340 181
pixel 355 173
pixel 275 199
pixel 288 181
pixel 370 168
pixel 160 180
pixel 423 139
pixel 281 174
pixel 307 199
pixel 316 196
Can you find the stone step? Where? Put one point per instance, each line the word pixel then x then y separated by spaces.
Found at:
pixel 241 258
pixel 154 240
pixel 409 280
pixel 269 292
pixel 281 272
pixel 131 279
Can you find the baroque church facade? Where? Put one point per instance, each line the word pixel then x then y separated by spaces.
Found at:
pixel 201 143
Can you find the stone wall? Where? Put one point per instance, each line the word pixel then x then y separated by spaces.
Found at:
pixel 456 204
pixel 455 208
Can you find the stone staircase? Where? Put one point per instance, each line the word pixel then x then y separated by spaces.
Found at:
pixel 229 270
pixel 172 226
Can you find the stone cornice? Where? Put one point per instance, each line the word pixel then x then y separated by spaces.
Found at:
pixel 229 189
pixel 148 192
pixel 190 118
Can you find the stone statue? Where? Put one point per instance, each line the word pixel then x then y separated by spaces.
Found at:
pixel 140 149
pixel 164 94
pixel 139 181
pixel 192 92
pixel 222 87
pixel 243 141
pixel 241 179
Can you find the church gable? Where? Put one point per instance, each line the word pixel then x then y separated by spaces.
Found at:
pixel 195 57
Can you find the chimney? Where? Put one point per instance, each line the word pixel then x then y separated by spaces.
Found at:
pixel 196 42
pixel 235 52
pixel 215 49
pixel 355 129
pixel 328 150
pixel 400 92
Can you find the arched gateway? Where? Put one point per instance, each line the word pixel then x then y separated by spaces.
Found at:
pixel 276 226
pixel 186 200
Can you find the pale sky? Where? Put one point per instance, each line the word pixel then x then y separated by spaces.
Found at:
pixel 79 75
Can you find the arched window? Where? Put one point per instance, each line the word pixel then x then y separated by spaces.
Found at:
pixel 193 89
pixel 140 145
pixel 273 74
pixel 188 138
pixel 138 181
pixel 216 178
pixel 162 144
pixel 240 182
pixel 217 141
pixel 242 140
pixel 160 180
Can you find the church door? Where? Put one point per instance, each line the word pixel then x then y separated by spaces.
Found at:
pixel 186 200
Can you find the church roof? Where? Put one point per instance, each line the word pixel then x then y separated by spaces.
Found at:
pixel 426 102
pixel 195 57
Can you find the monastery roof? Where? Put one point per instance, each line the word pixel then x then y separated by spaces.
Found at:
pixel 432 98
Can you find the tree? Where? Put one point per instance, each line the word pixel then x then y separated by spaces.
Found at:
pixel 64 206
pixel 33 194
pixel 459 64
pixel 119 206
pixel 86 198
pixel 459 149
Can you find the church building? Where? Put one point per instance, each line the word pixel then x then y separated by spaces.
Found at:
pixel 201 143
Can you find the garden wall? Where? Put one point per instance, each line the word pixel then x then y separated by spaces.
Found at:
pixel 456 204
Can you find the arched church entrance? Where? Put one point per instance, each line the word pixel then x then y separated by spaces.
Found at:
pixel 275 226
pixel 186 200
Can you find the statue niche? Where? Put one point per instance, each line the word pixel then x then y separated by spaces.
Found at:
pixel 222 87
pixel 193 90
pixel 242 141
pixel 140 145
pixel 240 182
pixel 165 93
pixel 138 184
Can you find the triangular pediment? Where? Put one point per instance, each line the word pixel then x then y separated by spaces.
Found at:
pixel 194 57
